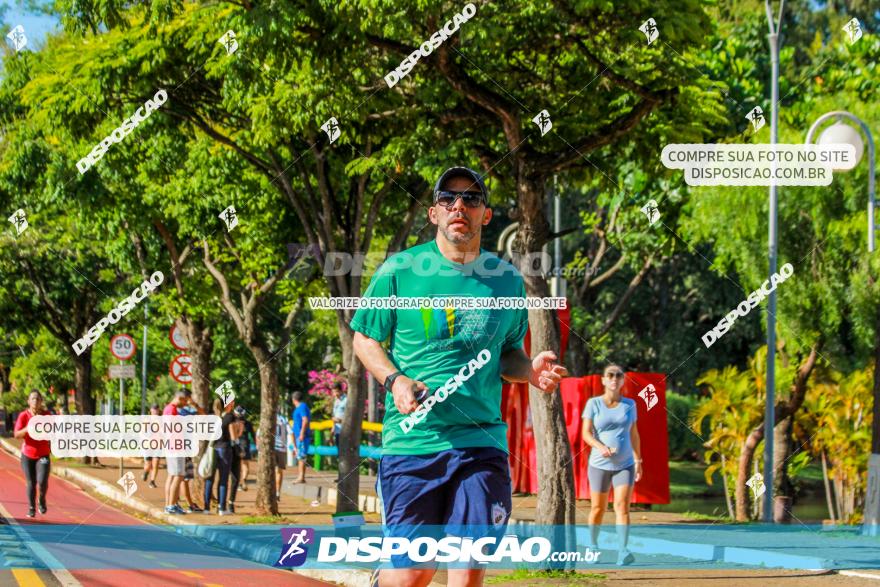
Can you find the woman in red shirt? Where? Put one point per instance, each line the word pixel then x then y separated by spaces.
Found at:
pixel 34 453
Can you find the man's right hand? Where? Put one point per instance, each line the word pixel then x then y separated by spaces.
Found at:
pixel 404 392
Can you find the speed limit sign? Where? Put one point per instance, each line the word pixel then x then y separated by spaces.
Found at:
pixel 122 347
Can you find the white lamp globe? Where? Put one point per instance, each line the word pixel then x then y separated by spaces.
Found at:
pixel 843 133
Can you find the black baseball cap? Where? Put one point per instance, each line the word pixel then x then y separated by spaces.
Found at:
pixel 467 173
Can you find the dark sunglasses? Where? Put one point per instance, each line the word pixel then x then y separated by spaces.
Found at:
pixel 447 198
pixel 615 375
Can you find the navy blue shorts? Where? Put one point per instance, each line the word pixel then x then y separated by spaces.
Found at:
pixel 466 491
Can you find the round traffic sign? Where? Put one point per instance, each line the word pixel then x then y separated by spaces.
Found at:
pixel 122 347
pixel 178 340
pixel 180 369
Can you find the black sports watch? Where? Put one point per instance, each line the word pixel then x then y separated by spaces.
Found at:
pixel 389 381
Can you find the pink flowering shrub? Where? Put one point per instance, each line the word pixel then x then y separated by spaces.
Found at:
pixel 321 392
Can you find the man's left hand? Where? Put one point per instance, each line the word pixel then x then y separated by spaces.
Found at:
pixel 545 374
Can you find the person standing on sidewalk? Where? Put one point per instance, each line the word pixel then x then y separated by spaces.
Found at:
pixel 615 459
pixel 176 466
pixel 244 445
pixel 280 451
pixel 338 410
pixel 34 454
pixel 302 433
pixel 190 409
pixel 222 458
pixel 151 464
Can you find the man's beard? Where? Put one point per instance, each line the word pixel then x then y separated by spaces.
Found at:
pixel 458 237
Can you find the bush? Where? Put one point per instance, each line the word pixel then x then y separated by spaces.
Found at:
pixel 683 443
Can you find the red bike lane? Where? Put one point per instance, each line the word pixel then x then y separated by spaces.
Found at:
pixel 72 509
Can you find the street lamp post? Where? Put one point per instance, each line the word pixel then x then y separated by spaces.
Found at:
pixel 843 133
pixel 770 407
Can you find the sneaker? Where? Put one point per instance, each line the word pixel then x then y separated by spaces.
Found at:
pixel 625 557
pixel 31 512
pixel 153 485
pixel 594 548
pixel 242 487
pixel 194 509
pixel 178 509
pixel 231 508
pixel 43 507
pixel 223 512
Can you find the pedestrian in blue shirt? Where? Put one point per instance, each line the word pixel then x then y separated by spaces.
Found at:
pixel 615 459
pixel 302 434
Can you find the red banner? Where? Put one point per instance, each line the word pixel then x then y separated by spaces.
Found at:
pixel 575 391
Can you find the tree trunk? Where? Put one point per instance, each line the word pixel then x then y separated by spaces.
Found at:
pixel 348 484
pixel 266 500
pixel 724 483
pixel 828 498
pixel 782 483
pixel 82 379
pixel 742 473
pixel 556 499
pixel 200 347
pixel 85 403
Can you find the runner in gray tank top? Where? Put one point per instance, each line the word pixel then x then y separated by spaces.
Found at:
pixel 615 458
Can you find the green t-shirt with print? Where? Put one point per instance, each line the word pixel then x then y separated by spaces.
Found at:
pixel 434 344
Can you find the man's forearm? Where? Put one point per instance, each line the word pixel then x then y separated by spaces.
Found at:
pixel 516 366
pixel 373 356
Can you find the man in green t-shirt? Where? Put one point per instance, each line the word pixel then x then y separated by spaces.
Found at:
pixel 444 443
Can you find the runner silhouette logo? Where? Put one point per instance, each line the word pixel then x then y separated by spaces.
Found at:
pixel 294 549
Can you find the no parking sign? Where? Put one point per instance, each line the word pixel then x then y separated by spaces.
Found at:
pixel 181 369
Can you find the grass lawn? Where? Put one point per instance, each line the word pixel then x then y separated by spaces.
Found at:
pixel 686 479
pixel 528 578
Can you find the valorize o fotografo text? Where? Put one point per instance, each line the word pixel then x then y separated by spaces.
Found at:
pixel 755 298
pixel 121 309
pixel 128 125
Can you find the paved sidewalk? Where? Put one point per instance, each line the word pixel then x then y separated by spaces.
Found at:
pixel 292 509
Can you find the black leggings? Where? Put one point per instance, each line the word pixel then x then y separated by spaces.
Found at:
pixel 36 472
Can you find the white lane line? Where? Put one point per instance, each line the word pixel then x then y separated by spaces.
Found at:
pixel 65 578
pixel 860 574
